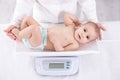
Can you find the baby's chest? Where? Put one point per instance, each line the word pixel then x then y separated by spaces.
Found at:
pixel 62 35
pixel 65 39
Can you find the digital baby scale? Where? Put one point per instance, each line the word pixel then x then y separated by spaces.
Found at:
pixel 56 66
pixel 52 63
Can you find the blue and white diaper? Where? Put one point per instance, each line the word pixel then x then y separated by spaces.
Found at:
pixel 43 43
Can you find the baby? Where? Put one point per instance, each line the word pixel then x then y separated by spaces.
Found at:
pixel 56 38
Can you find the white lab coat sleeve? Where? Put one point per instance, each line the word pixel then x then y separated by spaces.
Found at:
pixel 23 8
pixel 89 9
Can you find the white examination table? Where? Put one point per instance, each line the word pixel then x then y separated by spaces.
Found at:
pixel 100 66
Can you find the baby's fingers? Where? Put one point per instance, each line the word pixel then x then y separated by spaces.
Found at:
pixel 101 27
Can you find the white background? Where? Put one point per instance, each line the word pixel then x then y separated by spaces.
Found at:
pixel 103 66
pixel 107 10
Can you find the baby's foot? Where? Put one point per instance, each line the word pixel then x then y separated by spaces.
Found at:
pixel 15 31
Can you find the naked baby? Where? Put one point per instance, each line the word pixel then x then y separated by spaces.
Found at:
pixel 56 38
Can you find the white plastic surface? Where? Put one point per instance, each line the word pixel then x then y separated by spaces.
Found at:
pixel 71 68
pixel 84 49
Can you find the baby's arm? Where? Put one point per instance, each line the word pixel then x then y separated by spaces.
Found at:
pixel 54 40
pixel 71 47
pixel 70 19
pixel 57 46
pixel 27 21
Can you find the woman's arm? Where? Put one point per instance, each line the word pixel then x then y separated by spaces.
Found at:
pixel 27 21
pixel 23 8
pixel 88 7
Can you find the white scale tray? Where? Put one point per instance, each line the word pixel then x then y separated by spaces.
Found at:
pixel 91 48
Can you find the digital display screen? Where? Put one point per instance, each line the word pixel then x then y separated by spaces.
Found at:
pixel 56 65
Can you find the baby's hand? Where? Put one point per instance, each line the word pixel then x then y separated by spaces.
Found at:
pixel 101 27
pixel 70 19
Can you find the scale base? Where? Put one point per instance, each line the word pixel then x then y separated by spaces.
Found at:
pixel 57 66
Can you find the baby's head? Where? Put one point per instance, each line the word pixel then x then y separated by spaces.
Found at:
pixel 87 32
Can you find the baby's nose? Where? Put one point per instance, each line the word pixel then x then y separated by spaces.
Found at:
pixel 83 35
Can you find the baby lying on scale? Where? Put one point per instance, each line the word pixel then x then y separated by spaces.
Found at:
pixel 57 38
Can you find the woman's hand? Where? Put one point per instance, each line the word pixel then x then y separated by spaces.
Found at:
pixel 101 27
pixel 9 32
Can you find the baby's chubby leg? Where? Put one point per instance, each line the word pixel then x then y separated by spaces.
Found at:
pixel 35 38
pixel 32 33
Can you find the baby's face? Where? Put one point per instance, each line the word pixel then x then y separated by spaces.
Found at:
pixel 85 34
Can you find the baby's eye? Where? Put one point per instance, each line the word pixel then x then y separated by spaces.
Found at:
pixel 84 30
pixel 87 37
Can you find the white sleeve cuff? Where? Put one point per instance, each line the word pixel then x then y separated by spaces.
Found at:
pixel 15 24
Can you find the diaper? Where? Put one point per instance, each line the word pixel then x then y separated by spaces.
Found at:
pixel 43 43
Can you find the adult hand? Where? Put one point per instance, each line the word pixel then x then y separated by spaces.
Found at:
pixel 9 32
pixel 101 27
